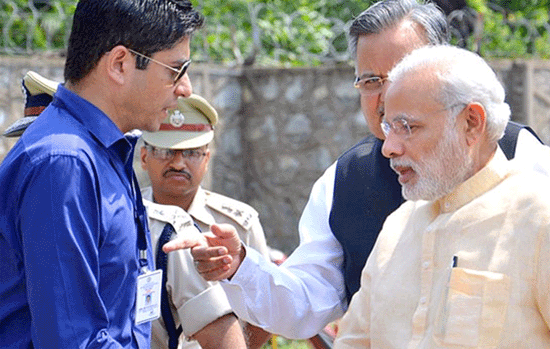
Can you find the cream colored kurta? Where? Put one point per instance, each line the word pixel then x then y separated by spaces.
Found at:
pixel 497 224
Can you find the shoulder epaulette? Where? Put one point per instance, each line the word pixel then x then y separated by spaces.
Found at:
pixel 241 213
pixel 174 215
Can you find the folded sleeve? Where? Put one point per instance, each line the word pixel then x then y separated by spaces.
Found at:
pixel 198 302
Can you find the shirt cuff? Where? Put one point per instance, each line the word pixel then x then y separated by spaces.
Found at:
pixel 247 269
pixel 203 309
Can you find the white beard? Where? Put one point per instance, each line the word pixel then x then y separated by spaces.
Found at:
pixel 442 170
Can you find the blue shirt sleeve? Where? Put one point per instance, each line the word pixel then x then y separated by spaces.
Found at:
pixel 59 219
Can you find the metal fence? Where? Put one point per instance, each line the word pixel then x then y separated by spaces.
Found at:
pixel 42 27
pixel 499 33
pixel 35 26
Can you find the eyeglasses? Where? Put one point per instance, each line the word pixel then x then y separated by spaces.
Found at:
pixel 370 85
pixel 169 154
pixel 179 72
pixel 400 125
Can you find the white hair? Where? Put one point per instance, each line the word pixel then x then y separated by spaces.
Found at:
pixel 463 77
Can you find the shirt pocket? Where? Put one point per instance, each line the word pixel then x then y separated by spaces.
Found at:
pixel 473 309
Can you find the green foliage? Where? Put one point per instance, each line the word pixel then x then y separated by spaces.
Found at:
pixel 282 32
pixel 526 6
pixel 512 28
pixel 31 25
pixel 283 343
pixel 291 33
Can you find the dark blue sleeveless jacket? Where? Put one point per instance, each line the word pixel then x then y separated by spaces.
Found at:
pixel 366 191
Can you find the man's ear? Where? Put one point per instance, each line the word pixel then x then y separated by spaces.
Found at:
pixel 119 61
pixel 476 122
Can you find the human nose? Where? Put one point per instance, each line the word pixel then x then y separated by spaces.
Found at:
pixel 184 87
pixel 178 161
pixel 393 146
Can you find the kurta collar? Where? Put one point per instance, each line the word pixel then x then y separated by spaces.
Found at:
pixel 487 178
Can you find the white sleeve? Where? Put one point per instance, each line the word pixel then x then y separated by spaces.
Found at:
pixel 531 154
pixel 299 298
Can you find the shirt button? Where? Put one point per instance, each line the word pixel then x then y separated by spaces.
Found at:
pixel 423 300
pixel 426 264
pixel 102 336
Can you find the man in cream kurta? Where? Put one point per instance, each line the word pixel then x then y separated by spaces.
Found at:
pixel 497 224
pixel 464 262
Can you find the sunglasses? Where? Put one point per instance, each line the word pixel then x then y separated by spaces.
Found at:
pixel 179 72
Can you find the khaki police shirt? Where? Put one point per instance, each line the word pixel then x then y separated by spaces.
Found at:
pixel 208 208
pixel 194 302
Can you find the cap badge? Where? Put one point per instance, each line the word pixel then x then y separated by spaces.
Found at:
pixel 177 119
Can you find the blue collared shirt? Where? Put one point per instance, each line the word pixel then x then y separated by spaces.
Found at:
pixel 69 233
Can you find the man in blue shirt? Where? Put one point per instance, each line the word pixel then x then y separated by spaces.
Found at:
pixel 73 232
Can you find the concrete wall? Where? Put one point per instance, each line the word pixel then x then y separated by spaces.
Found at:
pixel 281 128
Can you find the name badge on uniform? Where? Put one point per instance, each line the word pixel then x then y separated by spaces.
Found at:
pixel 148 296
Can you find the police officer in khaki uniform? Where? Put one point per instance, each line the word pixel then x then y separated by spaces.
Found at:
pixel 176 160
pixel 199 310
pixel 181 147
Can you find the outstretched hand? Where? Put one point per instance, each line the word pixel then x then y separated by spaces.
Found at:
pixel 217 254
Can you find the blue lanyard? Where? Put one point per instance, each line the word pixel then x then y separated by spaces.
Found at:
pixel 141 220
pixel 140 216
